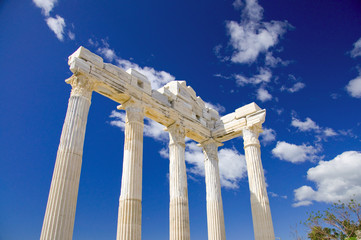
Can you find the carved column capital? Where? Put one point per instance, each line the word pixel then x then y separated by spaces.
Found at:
pixel 210 148
pixel 81 86
pixel 177 134
pixel 250 136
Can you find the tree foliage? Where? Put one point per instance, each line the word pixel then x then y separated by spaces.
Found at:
pixel 342 221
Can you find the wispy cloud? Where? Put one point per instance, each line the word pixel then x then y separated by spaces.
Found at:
pixel 337 179
pixel 157 78
pixel 275 195
pixel 45 5
pixel 295 153
pixel 57 25
pixel 356 51
pixel 309 125
pixel 264 76
pixel 263 95
pixel 252 36
pixel 304 126
pixel 267 136
pixel 218 107
pixel 354 87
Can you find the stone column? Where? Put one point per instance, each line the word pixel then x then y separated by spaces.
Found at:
pixel 215 217
pixel 178 207
pixel 130 201
pixel 261 212
pixel 60 210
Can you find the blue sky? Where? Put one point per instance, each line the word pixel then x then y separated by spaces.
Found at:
pixel 300 60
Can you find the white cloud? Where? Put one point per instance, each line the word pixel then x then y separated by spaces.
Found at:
pixel 307 125
pixel 297 85
pixel 337 179
pixel 356 51
pixel 354 87
pixel 295 153
pixel 232 164
pixel 218 107
pixel 264 76
pixel 107 53
pixel 156 78
pixel 71 35
pixel 251 37
pixel 272 61
pixel 155 130
pixel 263 95
pixel 275 195
pixel 57 25
pixel 45 5
pixel 268 135
pixel 329 132
pixel 151 128
pixel 295 88
pixel 310 126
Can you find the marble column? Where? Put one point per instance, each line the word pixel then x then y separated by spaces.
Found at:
pixel 130 201
pixel 60 210
pixel 261 212
pixel 178 190
pixel 215 217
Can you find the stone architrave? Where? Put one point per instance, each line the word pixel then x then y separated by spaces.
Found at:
pixel 130 201
pixel 215 217
pixel 261 212
pixel 178 190
pixel 60 211
pixel 175 105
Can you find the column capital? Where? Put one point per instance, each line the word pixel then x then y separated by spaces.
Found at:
pixel 177 133
pixel 250 136
pixel 131 103
pixel 210 148
pixel 81 85
pixel 134 109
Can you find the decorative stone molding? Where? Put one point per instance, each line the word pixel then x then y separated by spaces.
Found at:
pixel 81 86
pixel 210 149
pixel 177 134
pixel 250 136
pixel 175 105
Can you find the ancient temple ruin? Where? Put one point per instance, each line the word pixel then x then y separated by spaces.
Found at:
pixel 184 114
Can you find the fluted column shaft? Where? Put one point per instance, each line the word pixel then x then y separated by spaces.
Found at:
pixel 130 201
pixel 178 207
pixel 60 210
pixel 215 217
pixel 261 212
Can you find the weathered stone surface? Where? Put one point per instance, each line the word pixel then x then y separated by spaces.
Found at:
pixel 261 212
pixel 178 207
pixel 60 211
pixel 130 200
pixel 246 110
pixel 177 107
pixel 215 217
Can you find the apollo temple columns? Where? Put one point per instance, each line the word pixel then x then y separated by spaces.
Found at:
pixel 184 114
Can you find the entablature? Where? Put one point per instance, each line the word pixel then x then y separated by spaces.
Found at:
pixel 165 105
